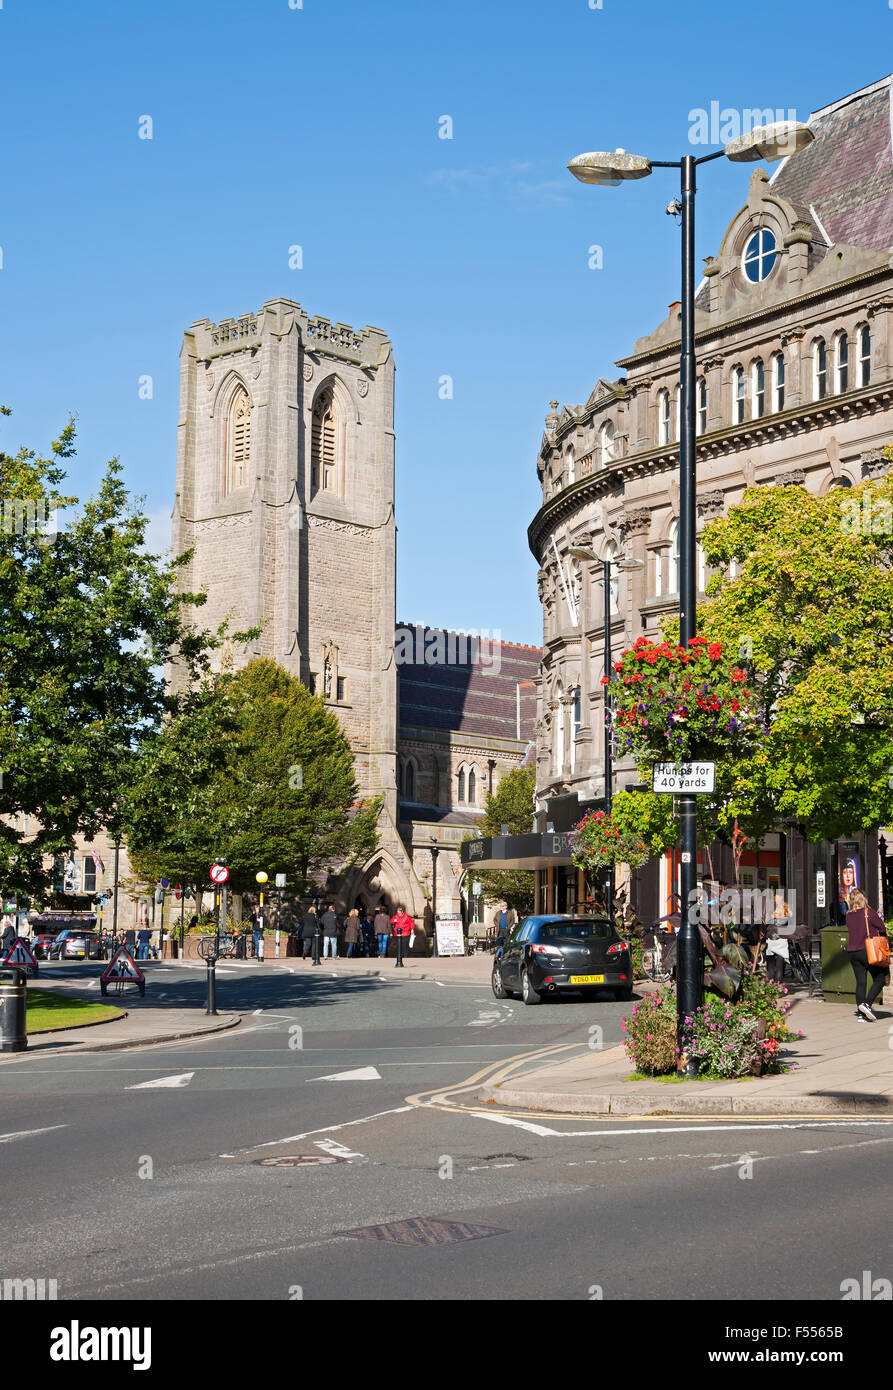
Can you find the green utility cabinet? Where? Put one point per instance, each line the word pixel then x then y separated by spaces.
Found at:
pixel 838 980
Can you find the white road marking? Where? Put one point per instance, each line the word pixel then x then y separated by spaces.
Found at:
pixel 331 1146
pixel 28 1133
pixel 675 1129
pixel 182 1080
pixel 829 1149
pixel 358 1074
pixel 324 1129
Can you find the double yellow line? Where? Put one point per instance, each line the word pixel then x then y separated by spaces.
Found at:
pixel 447 1099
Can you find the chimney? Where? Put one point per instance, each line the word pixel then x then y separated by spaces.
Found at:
pixel 677 304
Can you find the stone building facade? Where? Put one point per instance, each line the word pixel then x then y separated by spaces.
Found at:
pixel 794 388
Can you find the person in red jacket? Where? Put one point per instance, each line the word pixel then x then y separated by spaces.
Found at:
pixel 402 925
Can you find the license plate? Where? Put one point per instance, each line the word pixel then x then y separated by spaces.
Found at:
pixel 587 979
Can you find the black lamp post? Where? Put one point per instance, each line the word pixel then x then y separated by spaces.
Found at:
pixel 771 142
pixel 435 850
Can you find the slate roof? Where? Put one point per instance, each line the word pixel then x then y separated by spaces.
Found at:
pixel 473 696
pixel 846 174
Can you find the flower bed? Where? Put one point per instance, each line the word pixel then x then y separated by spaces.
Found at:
pixel 728 1039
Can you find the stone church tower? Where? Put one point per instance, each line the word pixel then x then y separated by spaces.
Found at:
pixel 285 493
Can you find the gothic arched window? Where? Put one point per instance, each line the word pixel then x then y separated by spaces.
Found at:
pixel 461 796
pixel 238 441
pixel 324 444
pixel 409 781
pixel 472 788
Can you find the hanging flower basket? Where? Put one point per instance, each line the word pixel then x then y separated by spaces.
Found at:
pixel 676 704
pixel 597 842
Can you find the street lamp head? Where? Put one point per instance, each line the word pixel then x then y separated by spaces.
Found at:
pixel 582 552
pixel 629 564
pixel 261 877
pixel 609 169
pixel 770 142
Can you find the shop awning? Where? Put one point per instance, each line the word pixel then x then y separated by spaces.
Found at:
pixel 503 852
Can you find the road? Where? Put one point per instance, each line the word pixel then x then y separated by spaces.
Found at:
pixel 153 1173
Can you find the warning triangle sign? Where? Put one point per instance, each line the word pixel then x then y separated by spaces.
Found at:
pixel 20 953
pixel 122 967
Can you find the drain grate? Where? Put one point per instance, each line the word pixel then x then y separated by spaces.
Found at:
pixel 423 1231
pixel 299 1161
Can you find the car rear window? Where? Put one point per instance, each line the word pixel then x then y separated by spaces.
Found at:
pixel 575 931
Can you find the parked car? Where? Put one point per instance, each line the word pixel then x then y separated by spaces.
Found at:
pixel 40 944
pixel 74 943
pixel 560 953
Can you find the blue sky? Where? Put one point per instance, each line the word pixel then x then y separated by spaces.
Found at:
pixel 318 126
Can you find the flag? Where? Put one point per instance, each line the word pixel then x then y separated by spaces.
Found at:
pixel 96 859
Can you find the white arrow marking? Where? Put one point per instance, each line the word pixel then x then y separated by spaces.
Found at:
pixel 182 1080
pixel 360 1074
pixel 331 1146
pixel 28 1133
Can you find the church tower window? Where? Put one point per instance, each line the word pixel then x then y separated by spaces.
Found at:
pixel 238 441
pixel 324 445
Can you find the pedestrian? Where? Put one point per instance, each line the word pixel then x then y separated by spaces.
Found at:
pixel 382 928
pixel 352 932
pixel 863 922
pixel 144 937
pixel 402 925
pixel 310 931
pixel 368 933
pixel 130 941
pixel 329 934
pixel 8 936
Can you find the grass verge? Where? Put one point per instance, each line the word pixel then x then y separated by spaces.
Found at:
pixel 46 1011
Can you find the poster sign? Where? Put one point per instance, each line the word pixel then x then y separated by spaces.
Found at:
pixel 676 778
pixel 449 935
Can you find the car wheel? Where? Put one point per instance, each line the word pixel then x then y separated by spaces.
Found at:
pixel 499 989
pixel 528 993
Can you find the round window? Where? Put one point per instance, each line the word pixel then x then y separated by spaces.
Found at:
pixel 759 256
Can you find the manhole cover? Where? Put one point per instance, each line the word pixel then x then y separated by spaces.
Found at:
pixel 422 1231
pixel 298 1161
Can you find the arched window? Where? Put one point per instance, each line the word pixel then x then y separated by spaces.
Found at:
pixel 841 364
pixel 678 434
pixel 701 417
pixel 409 781
pixel 864 355
pixel 399 776
pixel 738 395
pixel 759 256
pixel 819 370
pixel 608 445
pixel 472 788
pixel 570 465
pixel 758 390
pixel 324 444
pixel 559 729
pixel 611 553
pixel 658 574
pixel 673 572
pixel 778 381
pixel 461 795
pixel 238 441
pixel 663 416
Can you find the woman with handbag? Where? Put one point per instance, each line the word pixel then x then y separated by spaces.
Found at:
pixel 869 951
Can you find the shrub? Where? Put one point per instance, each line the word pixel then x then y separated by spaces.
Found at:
pixel 724 1038
pixel 650 1030
pixel 767 1000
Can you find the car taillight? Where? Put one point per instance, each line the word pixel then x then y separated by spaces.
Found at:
pixel 546 950
pixel 618 948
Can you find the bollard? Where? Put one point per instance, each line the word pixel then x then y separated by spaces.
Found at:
pixel 399 960
pixel 13 1026
pixel 212 985
pixel 316 948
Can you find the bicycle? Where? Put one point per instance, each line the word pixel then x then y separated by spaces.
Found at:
pixel 227 946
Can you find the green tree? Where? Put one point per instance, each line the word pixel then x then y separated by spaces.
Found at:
pixel 87 621
pixel 257 771
pixel 811 612
pixel 512 804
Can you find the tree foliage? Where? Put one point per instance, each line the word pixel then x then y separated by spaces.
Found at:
pixel 87 621
pixel 257 771
pixel 511 804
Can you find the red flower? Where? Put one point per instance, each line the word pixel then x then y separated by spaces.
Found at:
pixel 714 651
pixel 737 675
pixel 605 680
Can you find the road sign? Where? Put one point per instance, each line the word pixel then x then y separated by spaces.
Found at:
pixel 280 880
pixel 165 883
pixel 20 953
pixel 122 970
pixel 219 873
pixel 676 778
pixel 178 892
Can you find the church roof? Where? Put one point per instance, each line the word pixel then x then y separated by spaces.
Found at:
pixel 473 691
pixel 845 177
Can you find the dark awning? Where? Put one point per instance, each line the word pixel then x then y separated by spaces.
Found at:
pixel 517 851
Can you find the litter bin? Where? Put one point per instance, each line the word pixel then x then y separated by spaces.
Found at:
pixel 838 979
pixel 13 1028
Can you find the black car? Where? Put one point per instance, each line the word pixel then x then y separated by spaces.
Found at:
pixel 552 955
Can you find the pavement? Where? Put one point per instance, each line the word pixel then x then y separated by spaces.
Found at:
pixel 838 1067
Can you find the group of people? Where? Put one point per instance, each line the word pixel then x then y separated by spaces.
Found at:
pixel 362 933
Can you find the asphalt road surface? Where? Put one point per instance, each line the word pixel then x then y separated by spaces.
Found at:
pixel 251 1164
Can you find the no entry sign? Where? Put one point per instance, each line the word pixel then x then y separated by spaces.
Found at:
pixel 219 873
